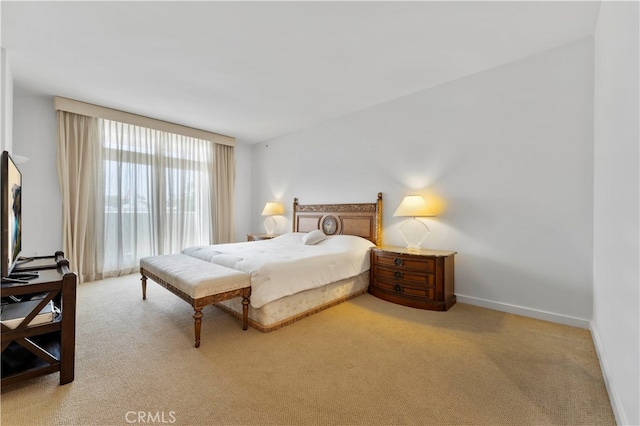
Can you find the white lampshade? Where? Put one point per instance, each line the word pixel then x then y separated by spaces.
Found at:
pixel 413 206
pixel 272 208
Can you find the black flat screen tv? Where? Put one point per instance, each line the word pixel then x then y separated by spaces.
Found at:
pixel 11 213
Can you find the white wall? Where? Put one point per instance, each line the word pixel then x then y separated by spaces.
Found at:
pixel 6 103
pixel 616 310
pixel 35 138
pixel 507 156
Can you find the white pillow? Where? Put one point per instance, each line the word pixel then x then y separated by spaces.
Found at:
pixel 313 237
pixel 289 238
pixel 348 242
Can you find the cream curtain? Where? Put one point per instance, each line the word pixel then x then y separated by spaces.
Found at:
pixel 130 191
pixel 78 162
pixel 223 199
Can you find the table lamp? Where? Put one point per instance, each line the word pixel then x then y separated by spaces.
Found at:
pixel 271 209
pixel 413 230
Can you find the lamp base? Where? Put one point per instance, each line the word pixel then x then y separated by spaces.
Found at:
pixel 413 232
pixel 270 224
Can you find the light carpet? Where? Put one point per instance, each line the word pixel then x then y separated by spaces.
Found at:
pixel 363 362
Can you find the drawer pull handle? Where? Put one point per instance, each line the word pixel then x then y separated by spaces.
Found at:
pixel 398 288
pixel 399 275
pixel 397 261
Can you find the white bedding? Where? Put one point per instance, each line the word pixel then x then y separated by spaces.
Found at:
pixel 285 265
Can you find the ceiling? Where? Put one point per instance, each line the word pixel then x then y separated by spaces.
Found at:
pixel 258 70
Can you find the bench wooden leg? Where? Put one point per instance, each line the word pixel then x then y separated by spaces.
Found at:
pixel 197 317
pixel 245 310
pixel 144 286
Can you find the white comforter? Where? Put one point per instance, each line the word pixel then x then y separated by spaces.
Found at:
pixel 284 265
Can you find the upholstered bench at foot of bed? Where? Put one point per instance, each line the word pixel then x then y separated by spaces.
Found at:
pixel 198 282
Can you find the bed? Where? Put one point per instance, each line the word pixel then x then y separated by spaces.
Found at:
pixel 293 275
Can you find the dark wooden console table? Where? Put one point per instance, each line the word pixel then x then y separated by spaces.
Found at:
pixel 32 351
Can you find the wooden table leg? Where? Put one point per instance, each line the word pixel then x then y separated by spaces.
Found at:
pixel 197 316
pixel 144 285
pixel 245 312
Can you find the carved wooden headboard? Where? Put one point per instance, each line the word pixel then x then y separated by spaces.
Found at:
pixel 363 220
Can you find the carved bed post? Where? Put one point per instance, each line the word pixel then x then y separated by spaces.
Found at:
pixel 295 209
pixel 379 220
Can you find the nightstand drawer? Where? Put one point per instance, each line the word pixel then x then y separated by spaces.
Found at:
pixel 405 275
pixel 407 290
pixel 425 264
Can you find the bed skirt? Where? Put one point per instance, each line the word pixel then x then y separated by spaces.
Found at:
pixel 281 312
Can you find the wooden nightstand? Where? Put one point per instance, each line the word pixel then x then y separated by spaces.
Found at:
pixel 258 237
pixel 418 278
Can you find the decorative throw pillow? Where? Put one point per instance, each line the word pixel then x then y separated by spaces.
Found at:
pixel 313 237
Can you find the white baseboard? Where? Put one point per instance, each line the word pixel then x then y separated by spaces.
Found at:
pixel 616 405
pixel 525 312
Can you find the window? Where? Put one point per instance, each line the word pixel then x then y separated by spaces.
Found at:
pixel 157 194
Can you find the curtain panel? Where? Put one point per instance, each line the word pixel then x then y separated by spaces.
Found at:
pixel 223 199
pixel 78 163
